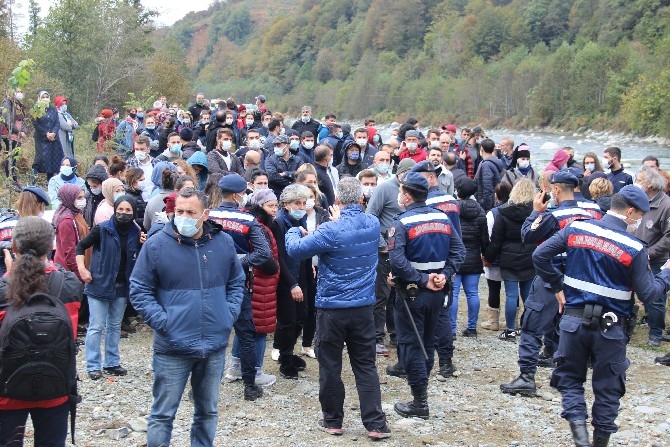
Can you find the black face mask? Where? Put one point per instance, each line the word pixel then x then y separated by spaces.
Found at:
pixel 123 218
pixel 133 115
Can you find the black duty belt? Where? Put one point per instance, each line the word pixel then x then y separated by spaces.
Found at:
pixel 594 315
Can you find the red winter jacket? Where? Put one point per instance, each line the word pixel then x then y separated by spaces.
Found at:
pixel 264 298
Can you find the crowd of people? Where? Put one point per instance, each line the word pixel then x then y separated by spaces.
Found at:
pixel 324 233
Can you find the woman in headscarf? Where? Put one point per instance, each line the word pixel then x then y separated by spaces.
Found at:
pixel 48 150
pixel 112 188
pixel 67 126
pixel 70 227
pixel 115 243
pixel 68 175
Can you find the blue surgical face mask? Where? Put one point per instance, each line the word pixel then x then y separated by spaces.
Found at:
pixel 297 214
pixel 186 226
pixel 279 151
pixel 151 127
pixel 63 108
pixel 117 195
pixel 383 168
pixel 66 170
pixel 340 135
pixel 353 156
pixel 295 144
pixel 175 148
pixel 140 114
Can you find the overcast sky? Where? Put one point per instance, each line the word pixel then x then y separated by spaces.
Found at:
pixel 169 10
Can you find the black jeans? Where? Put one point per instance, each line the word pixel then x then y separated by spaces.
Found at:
pixel 50 426
pixel 352 326
pixel 10 160
pixel 290 318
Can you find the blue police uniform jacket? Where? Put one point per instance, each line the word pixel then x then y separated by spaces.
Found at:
pixel 446 203
pixel 348 253
pixel 539 227
pixel 588 205
pixel 421 241
pixel 604 266
pixel 251 245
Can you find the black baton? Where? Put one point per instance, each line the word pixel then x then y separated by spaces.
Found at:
pixel 411 320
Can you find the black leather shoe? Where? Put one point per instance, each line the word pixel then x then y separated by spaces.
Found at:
pixel 580 434
pixel 546 359
pixel 116 370
pixel 447 369
pixel 469 333
pixel 665 360
pixel 252 392
pixel 95 375
pixel 524 385
pixel 396 371
pixel 286 367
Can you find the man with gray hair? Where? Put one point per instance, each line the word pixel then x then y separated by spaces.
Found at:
pixel 654 230
pixel 345 297
pixel 306 123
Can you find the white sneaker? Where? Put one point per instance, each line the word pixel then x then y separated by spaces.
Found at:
pixel 275 355
pixel 234 371
pixel 263 379
pixel 308 351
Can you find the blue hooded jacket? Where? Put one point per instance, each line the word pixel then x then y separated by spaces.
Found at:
pixel 199 158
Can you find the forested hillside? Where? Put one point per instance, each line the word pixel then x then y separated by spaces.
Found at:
pixel 567 63
pixel 520 63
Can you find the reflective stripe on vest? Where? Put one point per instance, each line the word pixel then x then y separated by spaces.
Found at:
pixel 608 234
pixel 416 218
pixel 428 265
pixel 623 295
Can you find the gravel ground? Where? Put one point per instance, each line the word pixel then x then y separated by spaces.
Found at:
pixel 468 410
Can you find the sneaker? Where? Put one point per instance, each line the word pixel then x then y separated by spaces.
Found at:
pixel 275 355
pixel 117 370
pixel 382 433
pixel 654 342
pixel 234 370
pixel 263 379
pixel 330 430
pixel 508 335
pixel 308 351
pixel 381 350
pixel 469 333
pixel 95 375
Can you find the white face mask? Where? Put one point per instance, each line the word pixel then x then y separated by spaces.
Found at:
pixel 435 144
pixel 362 142
pixel 308 144
pixel 524 164
pixel 80 203
pixel 630 228
pixel 401 202
pixel 367 191
pixel 254 144
pixel 226 145
pixel 140 155
pixel 229 121
pixel 19 96
pixel 309 204
pixel 589 167
pixel 412 146
pixel 606 163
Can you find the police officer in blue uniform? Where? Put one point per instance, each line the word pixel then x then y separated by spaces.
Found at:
pixel 541 310
pixel 444 332
pixel 604 264
pixel 253 250
pixel 582 202
pixel 424 252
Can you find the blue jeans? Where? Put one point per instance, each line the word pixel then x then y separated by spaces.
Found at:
pixel 512 290
pixel 260 341
pixel 105 315
pixel 170 375
pixel 471 287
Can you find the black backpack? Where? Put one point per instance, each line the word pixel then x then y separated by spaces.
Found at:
pixel 96 134
pixel 37 348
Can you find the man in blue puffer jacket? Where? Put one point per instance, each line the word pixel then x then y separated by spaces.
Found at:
pixel 188 286
pixel 345 296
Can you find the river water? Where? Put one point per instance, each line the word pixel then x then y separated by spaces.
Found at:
pixel 633 150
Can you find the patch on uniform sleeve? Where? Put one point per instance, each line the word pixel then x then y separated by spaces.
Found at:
pixel 536 223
